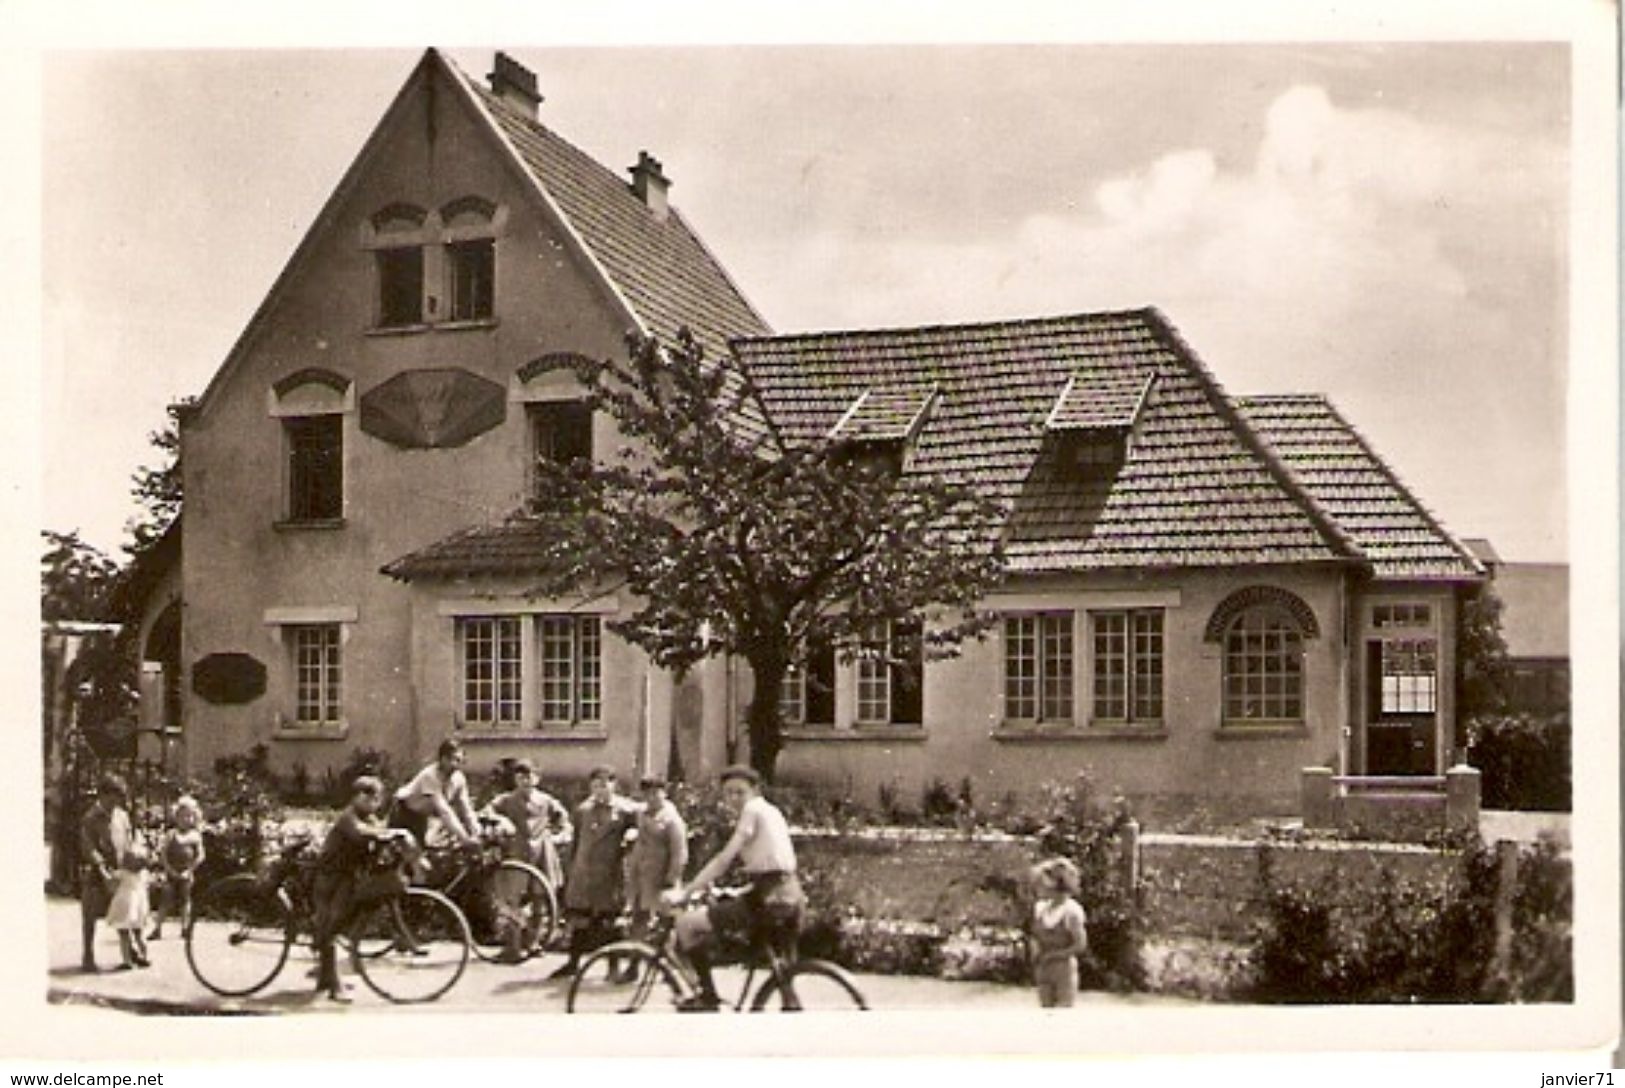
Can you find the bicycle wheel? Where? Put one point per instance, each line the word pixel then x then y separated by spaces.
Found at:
pixel 626 976
pixel 239 935
pixel 813 986
pixel 517 913
pixel 411 948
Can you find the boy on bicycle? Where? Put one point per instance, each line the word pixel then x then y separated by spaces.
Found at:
pixel 769 913
pixel 439 790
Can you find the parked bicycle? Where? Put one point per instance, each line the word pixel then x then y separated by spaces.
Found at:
pixel 410 947
pixel 511 907
pixel 633 976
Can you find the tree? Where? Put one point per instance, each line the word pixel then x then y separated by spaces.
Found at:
pixel 759 548
pixel 1481 651
pixel 158 489
pixel 76 579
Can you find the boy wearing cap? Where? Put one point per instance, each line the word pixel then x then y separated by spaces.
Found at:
pixel 659 855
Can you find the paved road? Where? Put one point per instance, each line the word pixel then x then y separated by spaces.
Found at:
pixel 169 987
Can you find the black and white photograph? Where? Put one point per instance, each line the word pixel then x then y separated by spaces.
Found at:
pixel 1085 532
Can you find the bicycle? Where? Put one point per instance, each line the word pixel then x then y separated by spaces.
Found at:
pixel 510 905
pixel 631 976
pixel 409 947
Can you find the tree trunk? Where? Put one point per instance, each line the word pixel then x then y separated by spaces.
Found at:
pixel 766 732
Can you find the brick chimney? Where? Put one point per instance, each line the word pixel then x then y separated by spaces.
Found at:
pixel 515 85
pixel 650 185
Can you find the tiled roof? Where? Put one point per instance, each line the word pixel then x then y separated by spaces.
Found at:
pixel 660 267
pixel 883 416
pixel 515 546
pixel 1111 401
pixel 1347 478
pixel 1196 489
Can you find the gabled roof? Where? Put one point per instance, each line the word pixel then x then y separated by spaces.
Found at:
pixel 1196 488
pixel 1344 474
pixel 659 266
pixel 657 269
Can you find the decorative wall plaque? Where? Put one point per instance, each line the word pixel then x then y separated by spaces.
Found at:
pixel 228 679
pixel 433 409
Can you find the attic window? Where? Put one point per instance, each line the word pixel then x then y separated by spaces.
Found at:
pixel 400 287
pixel 434 266
pixel 1089 455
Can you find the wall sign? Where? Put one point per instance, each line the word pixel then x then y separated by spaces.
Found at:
pixel 228 679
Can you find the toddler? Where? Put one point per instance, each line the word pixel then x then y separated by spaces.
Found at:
pixel 182 854
pixel 1058 932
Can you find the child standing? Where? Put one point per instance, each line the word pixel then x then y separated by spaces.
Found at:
pixel 1059 933
pixel 536 817
pixel 659 856
pixel 592 891
pixel 105 836
pixel 127 913
pixel 182 854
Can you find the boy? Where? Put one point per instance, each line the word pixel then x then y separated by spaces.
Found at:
pixel 536 817
pixel 344 854
pixel 659 855
pixel 105 836
pixel 439 790
pixel 769 911
pixel 592 891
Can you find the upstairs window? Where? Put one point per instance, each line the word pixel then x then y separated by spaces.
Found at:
pixel 470 279
pixel 315 467
pixel 560 433
pixel 400 286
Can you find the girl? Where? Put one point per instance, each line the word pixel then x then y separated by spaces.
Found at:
pixel 1058 932
pixel 182 854
pixel 128 911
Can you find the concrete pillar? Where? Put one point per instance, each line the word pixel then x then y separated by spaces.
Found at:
pixel 1461 790
pixel 1316 791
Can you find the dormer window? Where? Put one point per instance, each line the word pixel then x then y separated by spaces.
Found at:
pixel 878 427
pixel 1090 455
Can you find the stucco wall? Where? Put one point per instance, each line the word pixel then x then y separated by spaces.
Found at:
pixel 238 563
pixel 964 735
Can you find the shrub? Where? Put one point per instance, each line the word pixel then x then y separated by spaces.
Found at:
pixel 1524 760
pixel 373 761
pixel 1415 940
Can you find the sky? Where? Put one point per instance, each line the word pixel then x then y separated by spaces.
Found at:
pixel 1384 224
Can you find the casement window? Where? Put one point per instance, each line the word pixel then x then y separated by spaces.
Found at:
pixel 491 665
pixel 571 662
pixel 434 267
pixel 890 671
pixel 1038 667
pixel 315 467
pixel 807 693
pixel 1263 667
pixel 560 432
pixel 318 673
pixel 471 279
pixel 400 286
pixel 1126 664
pixel 1410 676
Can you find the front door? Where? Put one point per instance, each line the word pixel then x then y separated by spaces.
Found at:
pixel 1401 727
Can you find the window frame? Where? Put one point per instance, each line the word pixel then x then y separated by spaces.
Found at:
pixel 477 278
pixel 441 272
pixel 328 685
pixel 1048 671
pixel 796 699
pixel 296 473
pixel 882 675
pixel 536 412
pixel 1140 708
pixel 579 665
pixel 506 641
pixel 1292 650
pixel 1409 686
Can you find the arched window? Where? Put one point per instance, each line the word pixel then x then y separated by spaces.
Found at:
pixel 1262 630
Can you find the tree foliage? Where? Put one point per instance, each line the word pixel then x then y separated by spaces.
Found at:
pixel 736 540
pixel 76 579
pixel 1486 673
pixel 157 488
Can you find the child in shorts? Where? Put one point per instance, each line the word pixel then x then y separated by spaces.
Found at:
pixel 1059 932
pixel 181 855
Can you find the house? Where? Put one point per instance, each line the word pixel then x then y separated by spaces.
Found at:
pixel 1205 593
pixel 1535 625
